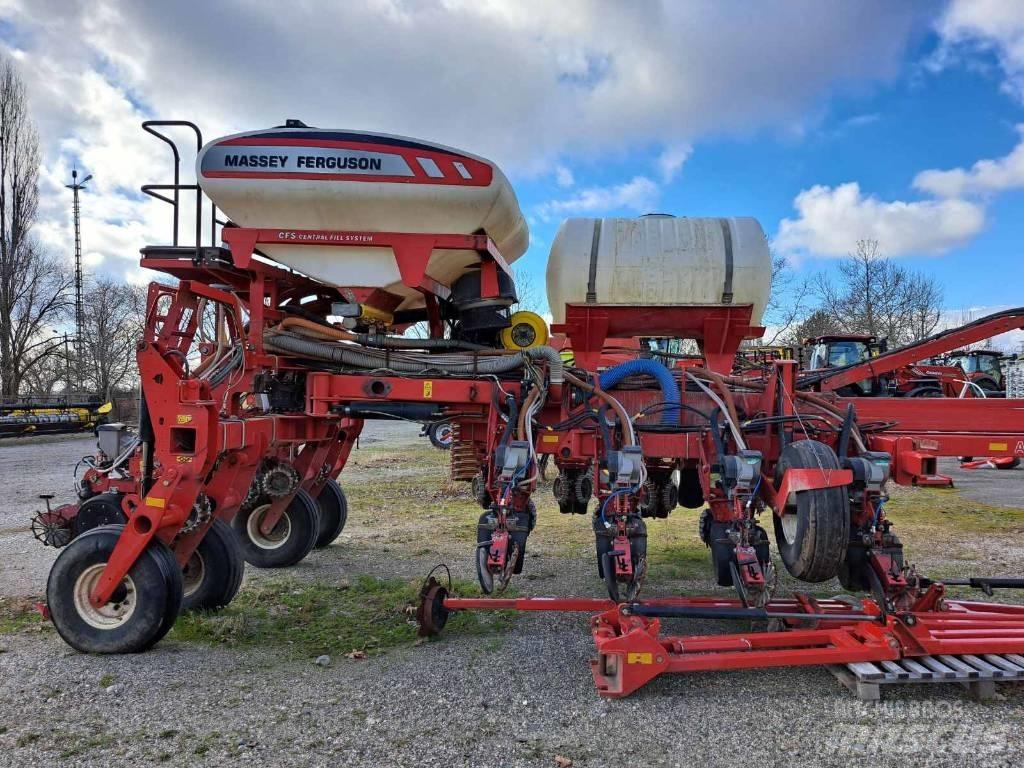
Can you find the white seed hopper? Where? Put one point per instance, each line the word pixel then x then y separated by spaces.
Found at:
pixel 309 178
pixel 659 260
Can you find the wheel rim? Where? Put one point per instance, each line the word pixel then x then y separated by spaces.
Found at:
pixel 445 434
pixel 112 614
pixel 276 538
pixel 192 574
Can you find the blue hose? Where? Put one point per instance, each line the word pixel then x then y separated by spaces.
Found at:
pixel 669 388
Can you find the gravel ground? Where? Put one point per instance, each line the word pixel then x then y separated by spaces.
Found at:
pixel 31 466
pixel 520 699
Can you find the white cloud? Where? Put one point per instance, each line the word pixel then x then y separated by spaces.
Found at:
pixel 528 83
pixel 520 80
pixel 564 177
pixel 671 160
pixel 639 195
pixel 985 176
pixel 832 219
pixel 995 26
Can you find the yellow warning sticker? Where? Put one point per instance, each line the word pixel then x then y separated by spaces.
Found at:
pixel 184 418
pixel 549 438
pixel 997 446
pixel 639 658
pixel 153 501
pixel 428 388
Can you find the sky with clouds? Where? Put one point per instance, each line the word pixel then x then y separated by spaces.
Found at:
pixel 829 121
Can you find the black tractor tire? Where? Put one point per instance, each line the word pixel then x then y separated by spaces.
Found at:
pixel 669 497
pixel 651 505
pixel 583 491
pixel 333 513
pixel 988 384
pixel 175 596
pixel 102 509
pixel 812 541
pixel 691 495
pixel 214 572
pixel 291 540
pixel 926 390
pixel 143 609
pixel 722 550
pixel 480 492
pixel 562 490
pixel 517 521
pixel 1012 465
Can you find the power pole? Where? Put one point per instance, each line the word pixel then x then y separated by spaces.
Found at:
pixel 76 186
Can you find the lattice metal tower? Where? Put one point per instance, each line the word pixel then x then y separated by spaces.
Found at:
pixel 76 186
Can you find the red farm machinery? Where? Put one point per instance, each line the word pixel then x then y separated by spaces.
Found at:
pixel 261 363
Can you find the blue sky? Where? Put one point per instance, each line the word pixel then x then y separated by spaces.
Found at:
pixel 827 120
pixel 881 137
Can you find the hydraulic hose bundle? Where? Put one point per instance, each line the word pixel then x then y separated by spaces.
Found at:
pixel 669 388
pixel 306 339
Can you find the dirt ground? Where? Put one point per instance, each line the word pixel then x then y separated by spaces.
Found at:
pixel 519 697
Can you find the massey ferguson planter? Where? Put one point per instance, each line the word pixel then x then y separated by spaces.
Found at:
pixel 282 336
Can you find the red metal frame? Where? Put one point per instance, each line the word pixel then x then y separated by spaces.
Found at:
pixel 210 440
pixel 947 341
pixel 631 651
pixel 717 329
pixel 412 252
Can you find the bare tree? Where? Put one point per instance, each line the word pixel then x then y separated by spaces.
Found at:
pixel 878 297
pixel 787 302
pixel 113 325
pixel 925 305
pixel 33 287
pixel 51 373
pixel 818 323
pixel 527 291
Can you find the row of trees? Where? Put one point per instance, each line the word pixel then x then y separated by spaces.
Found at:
pixel 870 295
pixel 103 362
pixel 37 288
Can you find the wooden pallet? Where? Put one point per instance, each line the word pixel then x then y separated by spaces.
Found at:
pixel 978 674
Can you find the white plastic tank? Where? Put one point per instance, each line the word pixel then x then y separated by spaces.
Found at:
pixel 659 260
pixel 299 177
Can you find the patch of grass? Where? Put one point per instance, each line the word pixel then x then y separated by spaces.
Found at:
pixel 106 681
pixel 81 744
pixel 415 509
pixel 678 560
pixel 18 614
pixel 948 508
pixel 311 619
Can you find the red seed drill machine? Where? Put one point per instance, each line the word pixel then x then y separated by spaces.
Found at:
pixel 261 363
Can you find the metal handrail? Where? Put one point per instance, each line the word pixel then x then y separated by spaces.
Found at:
pixel 153 190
